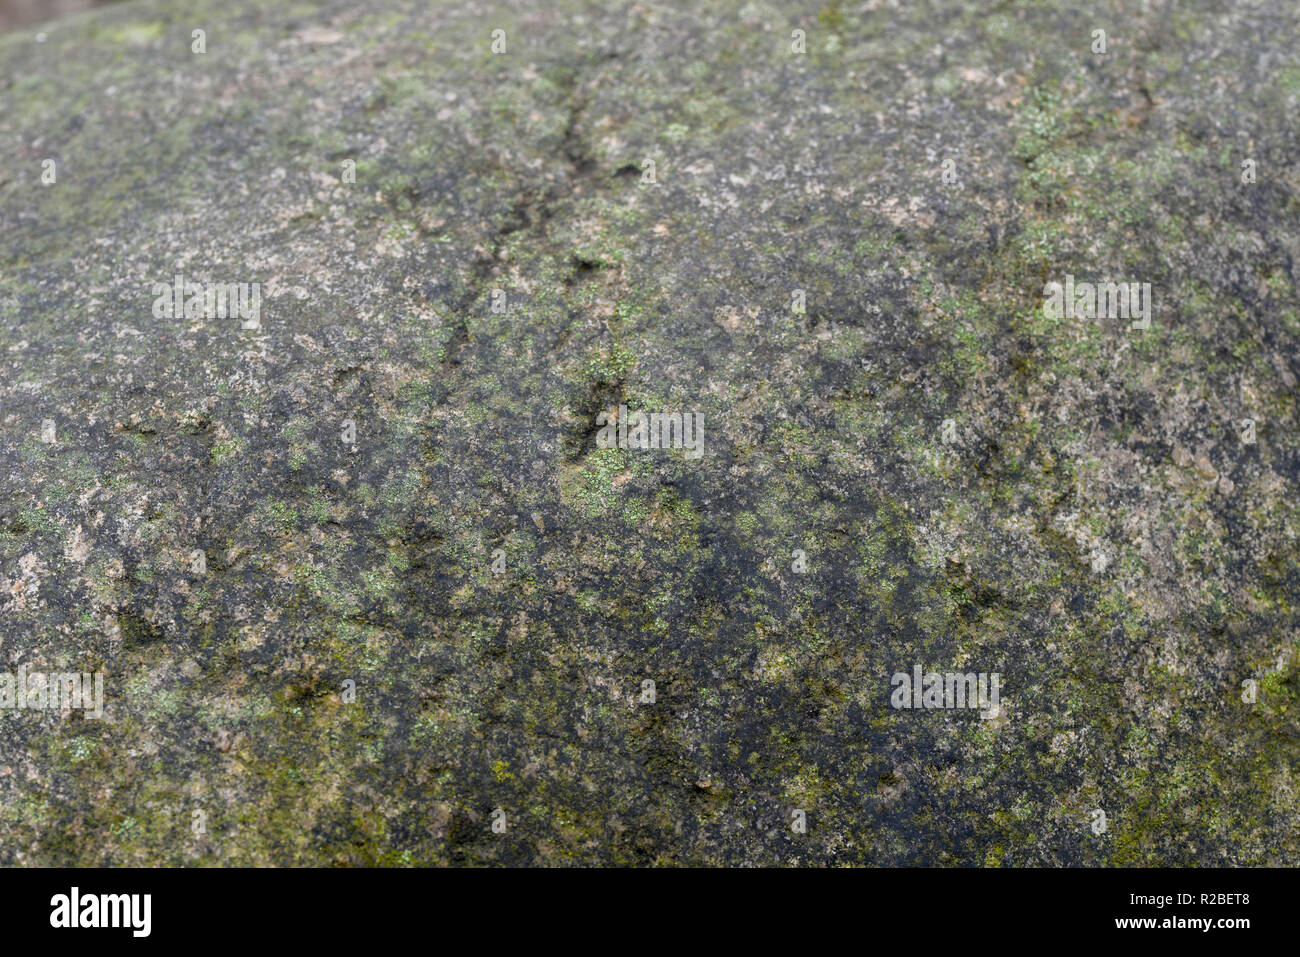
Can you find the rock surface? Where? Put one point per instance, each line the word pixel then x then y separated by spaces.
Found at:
pixel 180 511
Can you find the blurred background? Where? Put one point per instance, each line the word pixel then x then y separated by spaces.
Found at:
pixel 21 13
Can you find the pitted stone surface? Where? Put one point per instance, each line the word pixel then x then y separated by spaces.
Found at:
pixel 1099 531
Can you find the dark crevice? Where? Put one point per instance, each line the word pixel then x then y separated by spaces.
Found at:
pixel 533 211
